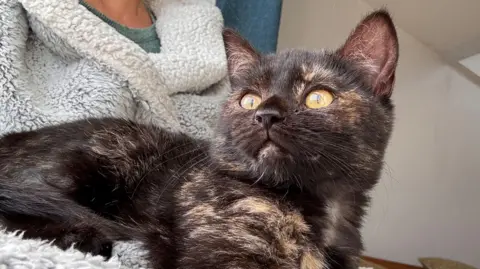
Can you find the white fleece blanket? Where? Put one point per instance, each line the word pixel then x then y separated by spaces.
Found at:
pixel 19 253
pixel 59 62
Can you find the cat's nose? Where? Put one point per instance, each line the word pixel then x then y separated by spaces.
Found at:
pixel 268 117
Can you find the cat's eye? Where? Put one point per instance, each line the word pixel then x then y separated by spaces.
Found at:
pixel 318 99
pixel 250 101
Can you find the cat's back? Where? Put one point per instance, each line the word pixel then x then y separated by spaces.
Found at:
pixel 47 139
pixel 58 139
pixel 120 144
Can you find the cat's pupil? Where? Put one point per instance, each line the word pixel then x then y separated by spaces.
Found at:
pixel 251 101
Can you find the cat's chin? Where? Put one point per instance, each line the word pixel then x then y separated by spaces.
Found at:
pixel 273 155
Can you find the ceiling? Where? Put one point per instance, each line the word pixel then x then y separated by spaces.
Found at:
pixel 450 27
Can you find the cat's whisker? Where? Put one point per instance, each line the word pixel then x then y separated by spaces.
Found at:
pixel 157 166
pixel 348 170
pixel 242 135
pixel 389 171
pixel 298 181
pixel 176 175
pixel 259 178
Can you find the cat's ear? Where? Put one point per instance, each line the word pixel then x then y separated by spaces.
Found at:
pixel 374 46
pixel 241 56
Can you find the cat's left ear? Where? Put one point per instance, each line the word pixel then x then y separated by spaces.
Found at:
pixel 374 46
pixel 241 56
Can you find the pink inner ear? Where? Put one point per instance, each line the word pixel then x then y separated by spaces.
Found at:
pixel 374 46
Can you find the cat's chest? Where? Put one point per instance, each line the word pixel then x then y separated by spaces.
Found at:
pixel 334 222
pixel 329 220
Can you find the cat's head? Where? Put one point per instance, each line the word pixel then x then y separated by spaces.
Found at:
pixel 303 115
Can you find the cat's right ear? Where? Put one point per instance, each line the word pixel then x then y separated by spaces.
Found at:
pixel 241 56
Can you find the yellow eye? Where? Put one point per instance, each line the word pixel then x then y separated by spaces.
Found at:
pixel 250 101
pixel 318 99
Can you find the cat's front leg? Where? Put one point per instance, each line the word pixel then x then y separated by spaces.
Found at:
pixel 88 240
pixel 246 233
pixel 81 236
pixel 338 259
pixel 40 211
pixel 159 240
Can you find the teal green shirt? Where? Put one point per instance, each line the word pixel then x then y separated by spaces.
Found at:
pixel 146 38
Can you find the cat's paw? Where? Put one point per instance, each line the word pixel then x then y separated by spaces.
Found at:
pixel 87 240
pixel 102 248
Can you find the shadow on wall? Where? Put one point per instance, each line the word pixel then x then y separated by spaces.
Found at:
pixel 256 20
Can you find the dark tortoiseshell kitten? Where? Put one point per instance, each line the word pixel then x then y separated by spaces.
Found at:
pixel 283 184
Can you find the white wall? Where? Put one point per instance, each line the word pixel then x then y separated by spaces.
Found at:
pixel 472 63
pixel 426 203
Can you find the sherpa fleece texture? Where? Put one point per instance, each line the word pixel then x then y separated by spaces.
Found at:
pixel 70 64
pixel 59 62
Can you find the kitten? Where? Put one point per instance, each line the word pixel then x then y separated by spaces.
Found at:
pixel 283 184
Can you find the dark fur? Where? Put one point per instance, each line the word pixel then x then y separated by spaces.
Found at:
pixel 237 202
